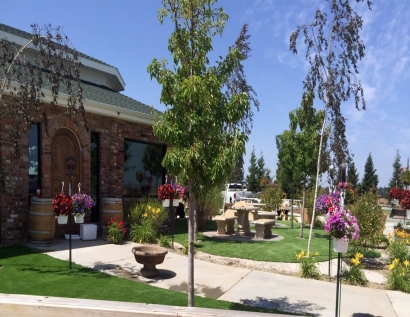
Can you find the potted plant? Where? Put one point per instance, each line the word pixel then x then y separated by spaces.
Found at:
pixel 82 204
pixel 342 226
pixel 62 207
pixel 165 193
pixel 116 231
pixel 179 192
pixel 396 194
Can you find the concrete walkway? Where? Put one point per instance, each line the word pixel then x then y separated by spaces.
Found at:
pixel 251 287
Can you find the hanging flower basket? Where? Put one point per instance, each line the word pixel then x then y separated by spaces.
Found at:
pixel 340 245
pixel 166 202
pixel 175 202
pixel 62 219
pixel 79 218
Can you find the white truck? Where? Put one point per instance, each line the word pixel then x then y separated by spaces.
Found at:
pixel 233 193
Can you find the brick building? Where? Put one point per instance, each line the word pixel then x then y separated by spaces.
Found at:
pixel 118 157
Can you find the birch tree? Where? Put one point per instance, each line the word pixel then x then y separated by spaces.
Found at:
pixel 333 51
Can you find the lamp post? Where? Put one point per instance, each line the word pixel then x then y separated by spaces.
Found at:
pixel 71 164
pixel 331 169
pixel 339 255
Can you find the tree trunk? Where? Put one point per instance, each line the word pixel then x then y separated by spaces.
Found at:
pixel 317 181
pixel 195 220
pixel 191 222
pixel 291 213
pixel 303 211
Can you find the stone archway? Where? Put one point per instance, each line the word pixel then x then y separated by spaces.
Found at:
pixel 65 146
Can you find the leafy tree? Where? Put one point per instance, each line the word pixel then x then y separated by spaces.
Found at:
pixel 252 180
pixel 334 49
pixel 208 108
pixel 369 217
pixel 298 147
pixel 370 178
pixel 237 175
pixel 47 57
pixel 395 181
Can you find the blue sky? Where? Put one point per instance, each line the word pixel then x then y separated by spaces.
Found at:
pixel 128 35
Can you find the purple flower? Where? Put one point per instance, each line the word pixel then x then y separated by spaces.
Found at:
pixel 326 203
pixel 82 203
pixel 342 225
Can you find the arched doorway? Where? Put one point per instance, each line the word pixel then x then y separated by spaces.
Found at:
pixel 65 150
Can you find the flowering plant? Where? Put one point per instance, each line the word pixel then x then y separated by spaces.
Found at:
pixel 165 192
pixel 116 230
pixel 405 201
pixel 62 205
pixel 82 203
pixel 342 185
pixel 179 191
pixel 342 225
pixel 396 193
pixel 327 203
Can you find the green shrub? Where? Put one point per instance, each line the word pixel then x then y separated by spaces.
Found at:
pixel 399 277
pixel 369 217
pixel 271 195
pixel 164 242
pixel 185 248
pixel 146 218
pixel 355 275
pixel 144 232
pixel 208 204
pixel 308 265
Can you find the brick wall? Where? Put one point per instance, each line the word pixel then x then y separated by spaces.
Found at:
pixel 14 203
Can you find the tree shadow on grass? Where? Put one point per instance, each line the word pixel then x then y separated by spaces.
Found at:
pixel 15 251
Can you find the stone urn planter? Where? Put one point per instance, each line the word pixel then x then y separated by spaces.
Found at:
pixel 149 256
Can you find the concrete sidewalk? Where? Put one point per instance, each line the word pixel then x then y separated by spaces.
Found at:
pixel 250 287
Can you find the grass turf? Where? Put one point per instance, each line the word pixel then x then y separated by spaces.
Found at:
pixel 275 251
pixel 25 271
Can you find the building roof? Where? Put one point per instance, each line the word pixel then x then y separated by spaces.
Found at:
pixel 28 36
pixel 100 99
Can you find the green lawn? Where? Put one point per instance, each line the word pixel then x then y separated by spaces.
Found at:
pixel 275 251
pixel 25 271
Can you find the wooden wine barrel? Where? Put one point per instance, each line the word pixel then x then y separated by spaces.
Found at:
pixel 41 222
pixel 111 207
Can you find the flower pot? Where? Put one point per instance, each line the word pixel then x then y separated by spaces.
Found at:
pixel 62 219
pixel 340 245
pixel 175 202
pixel 79 218
pixel 408 213
pixel 166 202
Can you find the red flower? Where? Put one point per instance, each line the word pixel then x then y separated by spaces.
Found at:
pixel 62 205
pixel 165 192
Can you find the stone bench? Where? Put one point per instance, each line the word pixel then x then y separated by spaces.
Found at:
pixel 263 228
pixel 267 214
pixel 228 221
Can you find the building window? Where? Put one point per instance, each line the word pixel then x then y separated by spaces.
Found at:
pixel 143 172
pixel 34 162
pixel 95 175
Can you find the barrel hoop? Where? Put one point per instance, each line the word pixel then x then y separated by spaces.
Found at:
pixel 40 213
pixel 40 232
pixel 111 211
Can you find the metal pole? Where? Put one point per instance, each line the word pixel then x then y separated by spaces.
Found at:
pixel 338 286
pixel 70 223
pixel 330 240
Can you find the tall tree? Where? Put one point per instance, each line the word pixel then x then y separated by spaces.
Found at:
pixel 208 108
pixel 334 49
pixel 237 175
pixel 395 181
pixel 298 147
pixel 252 180
pixel 352 174
pixel 47 57
pixel 370 179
